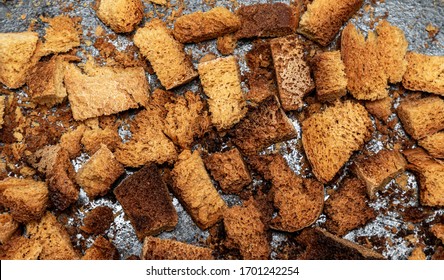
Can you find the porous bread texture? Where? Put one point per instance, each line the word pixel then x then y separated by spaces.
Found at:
pixel 226 44
pixel 323 19
pixel 263 126
pixel 20 248
pixel 98 220
pixel 422 117
pixel 167 56
pixel 221 82
pixel 246 232
pixel 155 248
pixel 438 231
pixel 16 57
pixel 98 174
pixel 267 20
pixel 331 136
pixel 8 226
pixel 434 144
pixel 101 249
pixel 53 238
pixel 329 76
pixel 70 141
pixel 146 201
pixel 201 26
pixel 381 108
pixel 193 186
pixel 430 173
pixel 121 15
pixel 2 109
pixel 105 90
pixel 424 73
pixel 370 64
pixel 292 71
pixel 347 208
pixel 93 138
pixel 26 199
pixel 379 169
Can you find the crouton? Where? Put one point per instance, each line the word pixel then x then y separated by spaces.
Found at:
pixel 101 249
pixel 98 220
pixel 226 44
pixel 70 141
pixel 381 109
pixel 121 15
pixel 20 248
pixel 329 76
pixel 2 109
pixel 93 138
pixel 8 226
pixel 165 249
pixel 438 231
pixel 434 144
pixel 417 254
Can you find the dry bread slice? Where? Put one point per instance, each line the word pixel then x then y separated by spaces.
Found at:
pixel 434 144
pixel 329 76
pixel 121 15
pixel 331 136
pixel 155 248
pixel 8 226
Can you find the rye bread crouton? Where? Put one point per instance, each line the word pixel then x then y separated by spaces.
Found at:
pixel 155 248
pixel 2 109
pixel 8 226
pixel 92 139
pixel 121 15
pixel 101 249
pixel 381 109
pixel 70 141
pixel 20 248
pixel 98 220
pixel 434 144
pixel 329 76
pixel 438 231
pixel 226 44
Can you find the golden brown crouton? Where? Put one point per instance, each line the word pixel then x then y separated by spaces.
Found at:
pixel 438 231
pixel 121 15
pixel 98 220
pixel 417 254
pixel 167 56
pixel 8 226
pixel 93 138
pixel 20 248
pixel 330 137
pixel 70 141
pixel 165 249
pixel 193 186
pixel 329 76
pixel 381 109
pixel 200 26
pixel 2 109
pixel 102 249
pixel 226 44
pixel 323 19
pixel 434 144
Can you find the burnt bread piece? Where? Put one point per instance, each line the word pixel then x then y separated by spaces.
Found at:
pixel 146 201
pixel 329 76
pixel 98 220
pixel 8 226
pixel 155 248
pixel 434 144
pixel 102 249
pixel 121 15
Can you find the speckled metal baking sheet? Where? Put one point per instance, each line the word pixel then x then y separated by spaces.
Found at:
pixel 412 16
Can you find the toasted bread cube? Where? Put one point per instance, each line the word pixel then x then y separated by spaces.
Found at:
pixel 431 174
pixel 438 231
pixel 93 138
pixel 98 220
pixel 146 201
pixel 331 136
pixel 221 83
pixel 16 57
pixel 423 117
pixel 27 199
pixel 121 15
pixel 193 186
pixel 323 19
pixel 226 44
pixel 418 254
pixel 329 76
pixel 2 109
pixel 102 249
pixel 53 238
pixel 167 56
pixel 200 26
pixel 424 73
pixel 8 226
pixel 20 248
pixel 381 109
pixel 70 141
pixel 99 172
pixel 377 170
pixel 165 249
pixel 292 71
pixel 267 20
pixel 434 144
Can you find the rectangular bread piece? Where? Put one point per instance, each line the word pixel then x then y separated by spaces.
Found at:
pixel 167 56
pixel 292 71
pixel 434 144
pixel 155 248
pixel 221 82
pixel 200 26
pixel 329 76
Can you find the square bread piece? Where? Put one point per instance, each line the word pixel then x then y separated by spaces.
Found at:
pixel 331 136
pixel 434 144
pixel 424 73
pixel 121 15
pixel 98 174
pixel 377 170
pixel 146 201
pixel 292 71
pixel 8 226
pixel 323 19
pixel 329 76
pixel 193 187
pixel 167 56
pixel 200 26
pixel 422 117
pixel 20 248
pixel 155 248
pixel 229 170
pixel 221 82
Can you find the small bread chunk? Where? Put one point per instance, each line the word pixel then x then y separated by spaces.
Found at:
pixel 226 44
pixel 377 170
pixel 2 109
pixel 321 245
pixel 424 73
pixel 430 173
pixel 99 172
pixel 299 201
pixel 422 117
pixel 267 20
pixel 246 232
pixel 434 144
pixel 167 56
pixel 98 220
pixel 102 249
pixel 70 141
pixel 146 201
pixel 8 226
pixel 27 199
pixel 53 238
pixel 229 170
pixel 193 186
pixel 93 138
pixel 330 137
pixel 20 248
pixel 221 82
pixel 263 126
pixel 121 15
pixel 16 57
pixel 438 231
pixel 197 27
pixel 292 72
pixel 347 208
pixel 105 90
pixel 417 254
pixel 323 19
pixel 329 76
pixel 155 248
pixel 381 109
